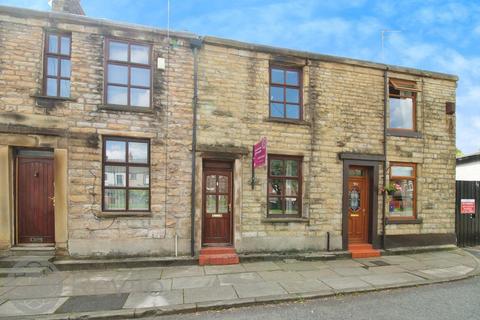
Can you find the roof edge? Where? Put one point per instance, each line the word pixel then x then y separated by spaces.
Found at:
pixel 329 58
pixel 73 18
pixel 469 158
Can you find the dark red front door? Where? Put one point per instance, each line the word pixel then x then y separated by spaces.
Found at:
pixel 217 203
pixel 35 200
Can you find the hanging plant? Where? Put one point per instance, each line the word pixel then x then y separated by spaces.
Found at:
pixel 390 189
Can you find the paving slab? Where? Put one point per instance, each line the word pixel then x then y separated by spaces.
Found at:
pixel 318 274
pixel 188 271
pixel 343 263
pixel 304 286
pixel 207 294
pixel 154 299
pixel 93 303
pixel 32 292
pixel 261 266
pixel 391 279
pixel 145 285
pixel 399 259
pixel 354 271
pixel 92 288
pixel 145 273
pixel 440 263
pixel 235 268
pixel 195 282
pixel 301 265
pixel 45 279
pixel 259 289
pixel 344 283
pixel 280 275
pixel 25 307
pixel 238 278
pixel 387 269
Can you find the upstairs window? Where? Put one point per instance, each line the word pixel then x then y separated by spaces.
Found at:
pixel 126 174
pixel 284 186
pixel 285 93
pixel 403 199
pixel 403 96
pixel 129 74
pixel 57 65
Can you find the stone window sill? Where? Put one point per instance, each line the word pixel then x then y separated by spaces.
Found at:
pixel 404 221
pixel 285 220
pixel 288 121
pixel 123 214
pixel 113 107
pixel 404 133
pixel 36 96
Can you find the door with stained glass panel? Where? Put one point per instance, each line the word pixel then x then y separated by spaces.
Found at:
pixel 217 207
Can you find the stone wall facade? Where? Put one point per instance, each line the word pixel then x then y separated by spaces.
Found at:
pixel 343 113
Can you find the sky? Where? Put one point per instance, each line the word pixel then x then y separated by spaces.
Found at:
pixel 435 35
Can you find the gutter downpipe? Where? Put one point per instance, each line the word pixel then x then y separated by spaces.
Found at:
pixel 195 45
pixel 385 104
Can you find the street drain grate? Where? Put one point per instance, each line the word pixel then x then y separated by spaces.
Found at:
pixel 380 263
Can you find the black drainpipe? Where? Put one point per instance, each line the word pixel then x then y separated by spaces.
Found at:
pixel 195 44
pixel 384 200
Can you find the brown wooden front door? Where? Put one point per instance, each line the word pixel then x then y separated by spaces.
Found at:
pixel 217 203
pixel 35 200
pixel 358 205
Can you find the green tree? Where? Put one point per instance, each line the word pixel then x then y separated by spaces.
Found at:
pixel 459 153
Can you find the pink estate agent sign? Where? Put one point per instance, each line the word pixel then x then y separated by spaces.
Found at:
pixel 467 206
pixel 260 153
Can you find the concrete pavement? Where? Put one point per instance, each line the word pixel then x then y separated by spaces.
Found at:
pixel 139 292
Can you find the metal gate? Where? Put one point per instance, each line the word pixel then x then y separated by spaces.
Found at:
pixel 467 226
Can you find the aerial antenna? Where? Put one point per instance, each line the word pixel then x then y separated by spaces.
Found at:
pixel 384 32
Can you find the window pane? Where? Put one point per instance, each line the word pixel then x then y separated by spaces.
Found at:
pixel 117 95
pixel 292 78
pixel 275 206
pixel 291 187
pixel 115 176
pixel 401 113
pixel 65 68
pixel 211 184
pixel 117 74
pixel 65 46
pixel 222 184
pixel 223 204
pixel 118 51
pixel 276 93
pixel 293 111
pixel 140 97
pixel 52 43
pixel 293 95
pixel 140 77
pixel 276 167
pixel 139 54
pixel 138 177
pixel 291 206
pixel 291 168
pixel 114 199
pixel 277 110
pixel 275 187
pixel 115 151
pixel 65 88
pixel 401 203
pixel 138 200
pixel 52 66
pixel 52 87
pixel 278 76
pixel 211 204
pixel 138 152
pixel 355 172
pixel 401 171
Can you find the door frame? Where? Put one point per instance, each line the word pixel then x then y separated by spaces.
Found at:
pixel 372 167
pixel 16 156
pixel 226 165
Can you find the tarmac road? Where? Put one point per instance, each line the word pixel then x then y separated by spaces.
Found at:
pixel 454 300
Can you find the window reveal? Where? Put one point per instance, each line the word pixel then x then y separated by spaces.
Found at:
pixel 284 186
pixel 128 75
pixel 57 65
pixel 403 198
pixel 402 97
pixel 126 174
pixel 285 93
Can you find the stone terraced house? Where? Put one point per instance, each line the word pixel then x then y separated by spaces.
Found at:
pixel 124 140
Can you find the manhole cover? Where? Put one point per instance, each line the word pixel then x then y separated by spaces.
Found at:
pixel 380 263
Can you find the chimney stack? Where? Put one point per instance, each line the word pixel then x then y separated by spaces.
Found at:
pixel 67 6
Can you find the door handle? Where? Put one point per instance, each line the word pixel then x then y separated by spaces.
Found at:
pixel 53 200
